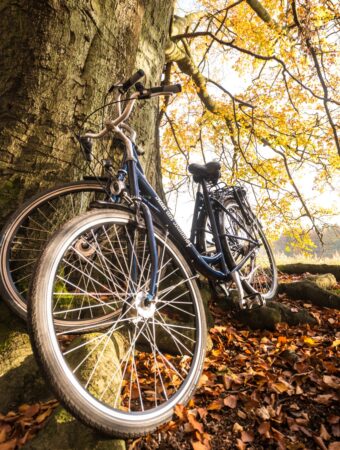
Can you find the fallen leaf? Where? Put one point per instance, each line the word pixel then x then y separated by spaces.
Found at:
pixel 240 445
pixel 241 414
pixel 320 442
pixel 180 411
pixel 331 381
pixel 203 380
pixel 5 429
pixel 43 416
pixel 230 401
pixel 280 387
pixel 264 429
pixel 263 413
pixel 298 390
pixel 247 436
pixel 215 405
pixel 333 419
pixel 9 445
pixel 227 382
pixel 332 446
pixel 237 428
pixel 134 444
pixel 195 424
pixel 324 433
pixel 199 446
pixel 336 430
pixel 309 341
pixel 202 412
pixel 29 410
pixel 324 399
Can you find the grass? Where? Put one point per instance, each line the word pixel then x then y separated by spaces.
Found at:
pixel 282 258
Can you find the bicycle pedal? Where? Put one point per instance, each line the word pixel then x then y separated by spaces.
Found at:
pixel 254 301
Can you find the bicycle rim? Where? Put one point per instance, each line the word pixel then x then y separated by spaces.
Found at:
pixel 244 235
pixel 146 358
pixel 27 231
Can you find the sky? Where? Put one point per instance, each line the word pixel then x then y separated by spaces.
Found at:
pixel 184 202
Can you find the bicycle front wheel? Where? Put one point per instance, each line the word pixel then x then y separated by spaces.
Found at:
pixel 125 374
pixel 28 229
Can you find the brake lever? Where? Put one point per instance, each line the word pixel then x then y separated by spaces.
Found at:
pixel 86 145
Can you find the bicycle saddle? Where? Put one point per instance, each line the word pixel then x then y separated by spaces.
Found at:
pixel 209 172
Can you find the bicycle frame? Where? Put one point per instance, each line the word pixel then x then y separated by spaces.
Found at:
pixel 141 189
pixel 146 199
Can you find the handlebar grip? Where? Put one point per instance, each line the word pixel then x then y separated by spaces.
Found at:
pixel 169 89
pixel 133 80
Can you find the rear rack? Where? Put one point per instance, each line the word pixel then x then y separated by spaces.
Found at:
pixel 221 190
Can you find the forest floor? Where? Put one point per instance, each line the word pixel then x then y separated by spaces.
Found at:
pixel 259 390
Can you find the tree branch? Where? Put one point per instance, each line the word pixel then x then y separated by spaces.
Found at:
pixel 261 11
pixel 312 52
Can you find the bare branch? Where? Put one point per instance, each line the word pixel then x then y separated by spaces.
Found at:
pixel 319 73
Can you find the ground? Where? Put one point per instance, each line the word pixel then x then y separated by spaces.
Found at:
pixel 259 390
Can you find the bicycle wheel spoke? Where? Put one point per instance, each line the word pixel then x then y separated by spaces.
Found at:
pixel 138 355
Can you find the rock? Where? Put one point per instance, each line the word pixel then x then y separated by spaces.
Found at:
pixel 67 433
pixel 20 377
pixel 22 382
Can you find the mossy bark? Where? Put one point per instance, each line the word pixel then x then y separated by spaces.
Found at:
pixel 58 60
pixel 267 317
pixel 309 292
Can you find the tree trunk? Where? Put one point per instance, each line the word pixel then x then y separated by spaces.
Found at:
pixel 59 59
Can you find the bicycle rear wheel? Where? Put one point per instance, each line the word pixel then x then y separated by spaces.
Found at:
pixel 125 375
pixel 28 229
pixel 242 233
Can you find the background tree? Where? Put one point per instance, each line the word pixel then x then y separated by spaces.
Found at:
pixel 284 123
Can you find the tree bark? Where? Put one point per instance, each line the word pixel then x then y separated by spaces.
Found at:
pixel 311 293
pixel 59 59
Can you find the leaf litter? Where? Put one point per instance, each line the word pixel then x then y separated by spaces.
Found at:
pixel 261 389
pixel 258 390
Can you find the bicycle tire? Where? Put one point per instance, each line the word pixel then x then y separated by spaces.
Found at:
pixel 182 360
pixel 14 230
pixel 251 284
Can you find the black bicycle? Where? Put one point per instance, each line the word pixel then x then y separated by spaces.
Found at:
pixel 116 317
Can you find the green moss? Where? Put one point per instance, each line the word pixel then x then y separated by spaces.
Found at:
pixel 63 416
pixel 10 191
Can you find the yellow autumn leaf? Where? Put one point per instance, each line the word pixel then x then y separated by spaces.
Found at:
pixel 309 341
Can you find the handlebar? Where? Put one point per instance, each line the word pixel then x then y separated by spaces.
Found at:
pixel 169 89
pixel 143 93
pixel 132 80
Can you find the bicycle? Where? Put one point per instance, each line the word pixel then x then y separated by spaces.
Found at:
pixel 127 266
